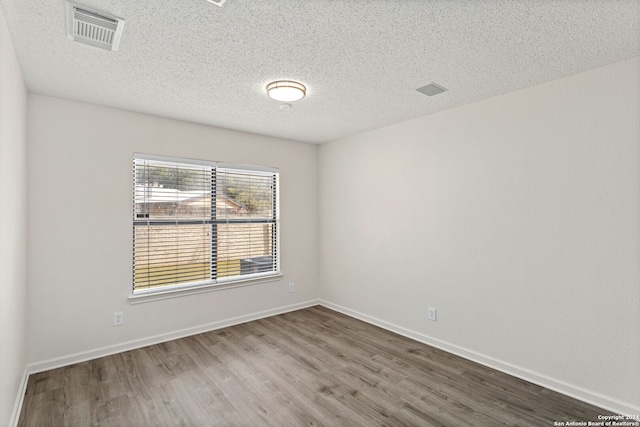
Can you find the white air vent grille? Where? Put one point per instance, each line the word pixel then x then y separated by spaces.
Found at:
pixel 95 28
pixel 432 89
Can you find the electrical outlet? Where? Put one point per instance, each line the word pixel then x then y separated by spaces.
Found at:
pixel 118 319
pixel 292 287
pixel 432 314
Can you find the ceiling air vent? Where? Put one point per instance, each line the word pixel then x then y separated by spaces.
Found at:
pixel 92 27
pixel 432 89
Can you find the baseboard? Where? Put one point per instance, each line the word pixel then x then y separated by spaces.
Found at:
pixel 17 406
pixel 588 396
pixel 156 339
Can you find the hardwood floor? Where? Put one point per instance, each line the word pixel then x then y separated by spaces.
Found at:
pixel 312 367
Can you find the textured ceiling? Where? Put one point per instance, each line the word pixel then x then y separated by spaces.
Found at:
pixel 360 59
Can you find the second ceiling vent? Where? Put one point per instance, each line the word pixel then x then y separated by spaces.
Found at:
pixel 92 27
pixel 432 89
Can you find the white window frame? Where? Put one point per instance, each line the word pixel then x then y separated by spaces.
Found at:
pixel 173 290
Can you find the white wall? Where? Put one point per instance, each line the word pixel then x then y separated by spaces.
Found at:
pixel 518 218
pixel 13 229
pixel 80 230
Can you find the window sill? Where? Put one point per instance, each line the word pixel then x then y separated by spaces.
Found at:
pixel 149 296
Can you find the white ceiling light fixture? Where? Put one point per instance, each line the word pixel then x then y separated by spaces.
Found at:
pixel 286 90
pixel 217 2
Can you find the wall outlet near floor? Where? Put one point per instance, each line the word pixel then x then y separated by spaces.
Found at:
pixel 118 319
pixel 432 314
pixel 292 287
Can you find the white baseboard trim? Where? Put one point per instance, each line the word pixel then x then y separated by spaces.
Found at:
pixel 17 406
pixel 59 362
pixel 588 396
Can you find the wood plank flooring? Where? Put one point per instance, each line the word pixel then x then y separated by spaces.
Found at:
pixel 312 367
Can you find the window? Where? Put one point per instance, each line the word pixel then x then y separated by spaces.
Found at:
pixel 202 223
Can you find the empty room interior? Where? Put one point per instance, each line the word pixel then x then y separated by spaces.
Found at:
pixel 327 213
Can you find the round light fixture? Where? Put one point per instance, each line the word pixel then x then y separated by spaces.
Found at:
pixel 286 90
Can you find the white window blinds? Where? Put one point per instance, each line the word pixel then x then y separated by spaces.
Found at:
pixel 197 222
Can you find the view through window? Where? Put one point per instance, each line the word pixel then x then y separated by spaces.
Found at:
pixel 198 222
